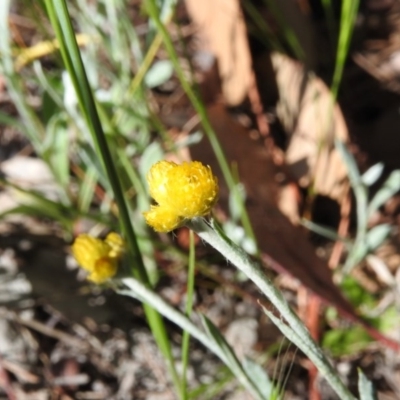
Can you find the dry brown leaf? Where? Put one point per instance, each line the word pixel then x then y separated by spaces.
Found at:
pixel 313 123
pixel 222 26
pixel 288 202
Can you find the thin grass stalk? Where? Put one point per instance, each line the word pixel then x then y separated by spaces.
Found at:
pixel 289 33
pixel 60 19
pixel 266 35
pixel 347 20
pixel 32 127
pixel 188 312
pixel 140 74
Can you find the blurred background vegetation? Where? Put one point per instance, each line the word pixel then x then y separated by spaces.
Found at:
pixel 294 104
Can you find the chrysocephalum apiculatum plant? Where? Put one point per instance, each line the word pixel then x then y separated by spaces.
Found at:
pixel 185 194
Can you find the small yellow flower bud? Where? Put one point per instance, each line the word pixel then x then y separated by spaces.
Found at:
pixel 99 257
pixel 116 243
pixel 182 192
pixel 162 219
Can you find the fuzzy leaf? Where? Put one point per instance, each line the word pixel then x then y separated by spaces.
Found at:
pixel 365 387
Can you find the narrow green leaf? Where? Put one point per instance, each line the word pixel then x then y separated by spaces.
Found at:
pixel 259 377
pixel 33 128
pixel 354 175
pixel 56 151
pixel 357 254
pixel 139 291
pixel 324 231
pixel 347 23
pixel 388 189
pixel 87 189
pixel 159 73
pixel 235 206
pixel 370 176
pixel 231 360
pixel 365 387
pixel 377 235
pixel 295 330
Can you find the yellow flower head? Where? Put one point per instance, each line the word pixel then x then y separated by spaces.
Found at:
pixel 99 257
pixel 182 192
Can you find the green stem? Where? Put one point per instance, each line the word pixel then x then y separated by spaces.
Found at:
pixel 188 311
pixel 347 19
pixel 295 330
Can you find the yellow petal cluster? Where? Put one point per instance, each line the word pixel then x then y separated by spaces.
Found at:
pixel 182 191
pixel 99 257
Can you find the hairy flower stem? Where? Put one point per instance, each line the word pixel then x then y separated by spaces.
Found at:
pixel 295 330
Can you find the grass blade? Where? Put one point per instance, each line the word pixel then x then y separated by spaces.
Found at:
pixel 61 22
